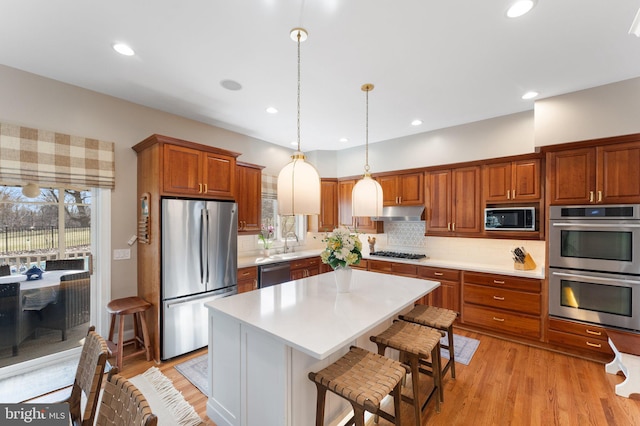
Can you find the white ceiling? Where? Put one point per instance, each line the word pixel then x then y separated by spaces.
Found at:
pixel 444 62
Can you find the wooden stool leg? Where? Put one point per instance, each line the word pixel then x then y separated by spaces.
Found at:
pixel 358 415
pixel 417 409
pixel 397 396
pixel 322 394
pixel 112 327
pixel 451 352
pixel 145 335
pixel 120 342
pixel 437 375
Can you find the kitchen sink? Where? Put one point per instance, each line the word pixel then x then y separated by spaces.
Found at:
pixel 285 256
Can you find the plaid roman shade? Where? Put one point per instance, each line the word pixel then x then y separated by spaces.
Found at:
pixel 269 186
pixel 54 159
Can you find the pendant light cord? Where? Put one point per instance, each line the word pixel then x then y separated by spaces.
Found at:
pixel 299 91
pixel 366 125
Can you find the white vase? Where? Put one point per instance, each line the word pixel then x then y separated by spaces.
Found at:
pixel 266 252
pixel 343 279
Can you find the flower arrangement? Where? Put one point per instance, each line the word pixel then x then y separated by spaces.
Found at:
pixel 343 249
pixel 266 235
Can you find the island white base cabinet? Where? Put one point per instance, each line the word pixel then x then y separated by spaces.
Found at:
pixel 259 380
pixel 264 343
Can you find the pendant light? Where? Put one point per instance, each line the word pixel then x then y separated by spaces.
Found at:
pixel 31 190
pixel 298 182
pixel 366 197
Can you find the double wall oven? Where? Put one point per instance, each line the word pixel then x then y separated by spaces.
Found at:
pixel 594 264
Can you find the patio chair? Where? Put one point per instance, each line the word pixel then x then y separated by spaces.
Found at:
pixel 61 264
pixel 5 270
pixel 123 403
pixel 88 380
pixel 15 324
pixel 72 305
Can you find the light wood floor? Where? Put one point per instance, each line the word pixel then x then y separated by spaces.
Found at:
pixel 505 384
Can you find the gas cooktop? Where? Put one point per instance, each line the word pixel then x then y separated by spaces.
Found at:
pixel 398 255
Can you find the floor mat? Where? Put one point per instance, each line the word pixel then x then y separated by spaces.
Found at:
pixel 463 348
pixel 195 370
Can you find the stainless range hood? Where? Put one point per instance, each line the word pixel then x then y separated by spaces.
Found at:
pixel 401 214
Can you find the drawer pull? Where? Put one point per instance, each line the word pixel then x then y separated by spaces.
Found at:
pixel 498 282
pixel 498 319
pixel 595 333
pixel 438 274
pixel 249 273
pixel 594 345
pixel 498 298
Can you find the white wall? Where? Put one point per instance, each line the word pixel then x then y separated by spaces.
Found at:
pixel 609 110
pixel 496 137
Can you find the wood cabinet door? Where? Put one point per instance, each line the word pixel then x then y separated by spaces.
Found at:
pixel 572 176
pixel 496 181
pixel 439 201
pixel 526 180
pixel 618 173
pixel 344 202
pixel 389 186
pixel 182 170
pixel 218 175
pixel 249 198
pixel 328 219
pixel 411 189
pixel 446 296
pixel 466 200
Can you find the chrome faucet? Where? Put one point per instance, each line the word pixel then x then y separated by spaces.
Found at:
pixel 286 238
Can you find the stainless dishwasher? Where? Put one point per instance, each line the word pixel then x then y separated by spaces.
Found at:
pixel 273 273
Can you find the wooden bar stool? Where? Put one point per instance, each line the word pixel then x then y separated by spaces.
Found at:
pixel 362 378
pixel 441 319
pixel 137 307
pixel 415 342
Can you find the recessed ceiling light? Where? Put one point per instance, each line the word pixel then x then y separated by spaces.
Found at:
pixel 530 95
pixel 294 143
pixel 416 122
pixel 344 140
pixel 230 85
pixel 520 7
pixel 123 49
pixel 272 110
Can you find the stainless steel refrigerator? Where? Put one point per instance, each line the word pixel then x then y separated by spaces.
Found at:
pixel 199 264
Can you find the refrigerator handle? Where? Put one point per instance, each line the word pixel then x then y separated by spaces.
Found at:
pixel 206 243
pixel 203 219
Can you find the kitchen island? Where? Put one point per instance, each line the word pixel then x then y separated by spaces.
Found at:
pixel 262 344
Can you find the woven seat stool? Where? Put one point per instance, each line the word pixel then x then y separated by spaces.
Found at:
pixel 118 308
pixel 415 343
pixel 441 319
pixel 363 378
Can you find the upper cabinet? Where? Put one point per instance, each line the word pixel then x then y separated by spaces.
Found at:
pixel 328 218
pixel 249 197
pixel 511 181
pixel 188 169
pixel 404 189
pixel 453 201
pixel 360 224
pixel 607 174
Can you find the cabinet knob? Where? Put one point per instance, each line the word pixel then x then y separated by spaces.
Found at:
pixel 599 196
pixel 508 194
pixel 513 194
pixel 591 196
pixel 199 188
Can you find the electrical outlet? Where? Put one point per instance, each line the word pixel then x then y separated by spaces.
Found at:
pixel 121 254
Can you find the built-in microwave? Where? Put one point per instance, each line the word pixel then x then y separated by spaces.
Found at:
pixel 510 219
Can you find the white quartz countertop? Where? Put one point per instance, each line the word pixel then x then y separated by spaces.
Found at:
pixel 505 268
pixel 310 316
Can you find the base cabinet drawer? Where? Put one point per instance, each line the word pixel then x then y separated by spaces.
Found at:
pixel 512 323
pixel 579 342
pixel 519 301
